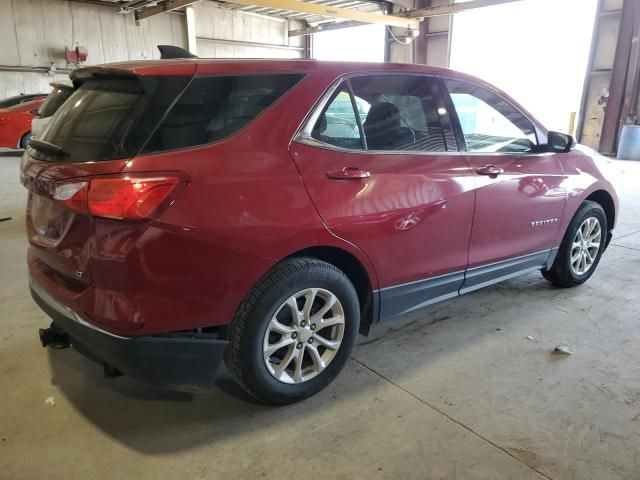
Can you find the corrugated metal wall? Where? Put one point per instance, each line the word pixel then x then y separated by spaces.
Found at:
pixel 34 33
pixel 231 34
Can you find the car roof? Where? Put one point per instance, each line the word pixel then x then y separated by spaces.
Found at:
pixel 217 66
pixel 199 66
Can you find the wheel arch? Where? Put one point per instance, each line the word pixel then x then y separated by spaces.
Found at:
pixel 21 137
pixel 605 200
pixel 357 273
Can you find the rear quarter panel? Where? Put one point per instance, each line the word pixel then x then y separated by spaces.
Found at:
pixel 245 209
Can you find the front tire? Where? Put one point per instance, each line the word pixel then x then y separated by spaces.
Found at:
pixel 581 248
pixel 294 332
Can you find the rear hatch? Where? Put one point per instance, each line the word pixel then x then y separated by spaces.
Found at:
pixel 91 137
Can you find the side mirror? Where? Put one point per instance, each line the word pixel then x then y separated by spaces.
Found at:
pixel 560 142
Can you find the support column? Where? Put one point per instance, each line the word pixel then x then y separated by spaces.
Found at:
pixel 617 89
pixel 191 30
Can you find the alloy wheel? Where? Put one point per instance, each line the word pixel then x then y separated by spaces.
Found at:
pixel 585 246
pixel 304 335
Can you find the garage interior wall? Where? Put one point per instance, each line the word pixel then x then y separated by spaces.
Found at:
pixel 431 46
pixel 224 33
pixel 599 75
pixel 612 87
pixel 34 34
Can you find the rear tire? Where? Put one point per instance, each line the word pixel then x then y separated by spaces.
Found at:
pixel 25 140
pixel 294 331
pixel 581 248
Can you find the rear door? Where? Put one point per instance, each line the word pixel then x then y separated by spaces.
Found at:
pixel 379 160
pixel 520 195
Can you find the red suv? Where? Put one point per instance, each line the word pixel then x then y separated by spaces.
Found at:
pixel 183 213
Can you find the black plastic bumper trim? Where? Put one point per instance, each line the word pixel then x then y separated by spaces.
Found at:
pixel 170 362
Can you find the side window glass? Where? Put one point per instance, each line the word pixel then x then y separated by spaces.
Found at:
pixel 401 113
pixel 338 124
pixel 490 123
pixel 215 108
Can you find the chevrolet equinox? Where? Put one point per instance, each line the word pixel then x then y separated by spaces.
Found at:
pixel 185 213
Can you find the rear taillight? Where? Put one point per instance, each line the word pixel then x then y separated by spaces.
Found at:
pixel 122 198
pixel 72 195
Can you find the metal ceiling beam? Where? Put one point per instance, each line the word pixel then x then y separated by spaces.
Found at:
pixel 328 11
pixel 453 8
pixel 324 28
pixel 417 14
pixel 162 7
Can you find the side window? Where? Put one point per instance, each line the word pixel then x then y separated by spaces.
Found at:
pixel 338 124
pixel 403 113
pixel 214 108
pixel 490 123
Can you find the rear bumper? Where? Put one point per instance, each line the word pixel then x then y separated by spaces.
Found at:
pixel 173 361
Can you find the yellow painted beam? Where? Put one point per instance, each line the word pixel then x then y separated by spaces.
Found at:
pixel 329 11
pixel 453 8
pixel 162 7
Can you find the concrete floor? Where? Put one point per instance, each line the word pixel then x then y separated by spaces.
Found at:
pixel 457 391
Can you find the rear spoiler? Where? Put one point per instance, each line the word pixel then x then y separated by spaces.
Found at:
pixel 83 74
pixel 171 51
pixel 114 72
pixel 62 86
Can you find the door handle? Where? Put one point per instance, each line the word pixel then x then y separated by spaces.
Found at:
pixel 348 173
pixel 490 170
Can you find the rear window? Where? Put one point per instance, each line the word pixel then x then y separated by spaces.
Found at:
pixel 214 108
pixel 54 101
pixel 110 118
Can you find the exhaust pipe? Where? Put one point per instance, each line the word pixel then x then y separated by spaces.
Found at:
pixel 54 337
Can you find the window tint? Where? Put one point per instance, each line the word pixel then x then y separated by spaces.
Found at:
pixel 214 108
pixel 402 113
pixel 338 124
pixel 53 102
pixel 111 118
pixel 490 123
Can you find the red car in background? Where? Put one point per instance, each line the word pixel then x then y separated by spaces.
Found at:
pixel 15 122
pixel 186 212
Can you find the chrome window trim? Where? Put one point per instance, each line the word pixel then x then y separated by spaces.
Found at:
pixel 312 142
pixel 303 134
pixel 304 131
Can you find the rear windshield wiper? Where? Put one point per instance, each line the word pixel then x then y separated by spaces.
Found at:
pixel 46 147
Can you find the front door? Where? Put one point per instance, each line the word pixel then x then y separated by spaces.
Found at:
pixel 376 161
pixel 519 194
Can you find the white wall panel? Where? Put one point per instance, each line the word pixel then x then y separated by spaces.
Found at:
pixel 13 83
pixel 8 40
pixel 34 33
pixel 214 23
